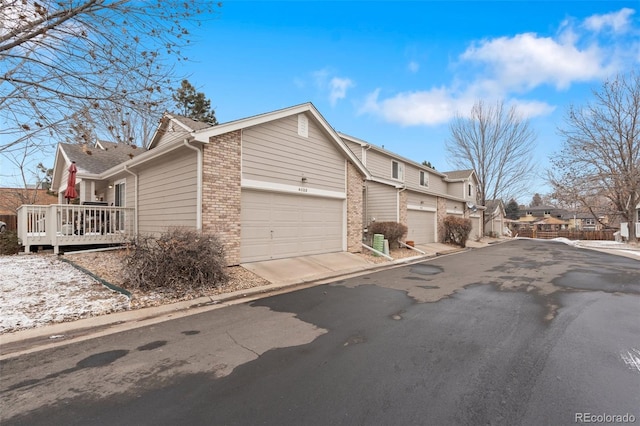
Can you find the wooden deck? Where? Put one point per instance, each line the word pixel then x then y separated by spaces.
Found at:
pixel 59 225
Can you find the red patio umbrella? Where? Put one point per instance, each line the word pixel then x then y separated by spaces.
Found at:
pixel 70 193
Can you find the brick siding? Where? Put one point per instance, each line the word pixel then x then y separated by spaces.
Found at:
pixel 221 183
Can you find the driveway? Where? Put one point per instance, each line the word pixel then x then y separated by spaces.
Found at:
pixel 521 333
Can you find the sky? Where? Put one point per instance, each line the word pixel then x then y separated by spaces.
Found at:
pixel 395 73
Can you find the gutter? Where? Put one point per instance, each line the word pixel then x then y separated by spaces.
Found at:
pixel 199 184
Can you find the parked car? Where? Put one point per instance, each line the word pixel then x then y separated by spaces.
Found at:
pixel 3 226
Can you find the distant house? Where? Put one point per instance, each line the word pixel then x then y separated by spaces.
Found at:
pixel 495 221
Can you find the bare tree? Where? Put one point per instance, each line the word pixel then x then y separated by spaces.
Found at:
pixel 601 150
pixel 61 58
pixel 497 143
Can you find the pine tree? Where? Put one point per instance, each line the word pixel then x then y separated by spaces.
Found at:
pixel 194 104
pixel 512 209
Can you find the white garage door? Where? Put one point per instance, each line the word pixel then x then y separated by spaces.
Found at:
pixel 276 226
pixel 422 226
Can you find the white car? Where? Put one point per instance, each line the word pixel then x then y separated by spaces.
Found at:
pixel 3 226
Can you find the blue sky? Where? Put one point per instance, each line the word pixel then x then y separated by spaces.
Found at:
pixel 395 73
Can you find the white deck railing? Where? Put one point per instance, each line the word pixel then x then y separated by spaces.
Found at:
pixel 624 229
pixel 68 224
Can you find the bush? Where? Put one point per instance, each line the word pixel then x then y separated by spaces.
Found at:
pixel 9 242
pixel 392 231
pixel 180 259
pixel 457 230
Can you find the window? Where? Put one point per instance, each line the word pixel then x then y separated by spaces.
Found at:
pixel 547 212
pixel 591 222
pixel 424 179
pixel 470 190
pixel 397 170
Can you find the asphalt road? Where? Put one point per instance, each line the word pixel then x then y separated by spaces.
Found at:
pixel 521 333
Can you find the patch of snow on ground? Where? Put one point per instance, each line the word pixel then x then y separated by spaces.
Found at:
pixel 36 290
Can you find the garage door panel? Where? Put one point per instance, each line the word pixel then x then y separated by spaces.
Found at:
pixel 276 225
pixel 421 226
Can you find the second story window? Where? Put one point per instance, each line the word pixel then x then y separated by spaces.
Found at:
pixel 397 170
pixel 470 190
pixel 424 179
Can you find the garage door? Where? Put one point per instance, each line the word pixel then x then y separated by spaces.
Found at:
pixel 276 226
pixel 422 226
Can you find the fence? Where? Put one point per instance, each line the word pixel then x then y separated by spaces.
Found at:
pixel 606 235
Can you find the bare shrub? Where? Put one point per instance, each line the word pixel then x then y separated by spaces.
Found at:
pixel 457 230
pixel 392 231
pixel 9 242
pixel 180 259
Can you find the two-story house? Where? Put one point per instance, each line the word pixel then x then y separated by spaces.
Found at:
pixel 402 190
pixel 274 185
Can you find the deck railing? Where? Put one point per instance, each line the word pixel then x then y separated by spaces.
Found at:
pixel 59 225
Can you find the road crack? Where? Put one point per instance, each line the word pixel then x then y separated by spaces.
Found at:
pixel 241 345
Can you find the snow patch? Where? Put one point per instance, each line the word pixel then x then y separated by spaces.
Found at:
pixel 36 290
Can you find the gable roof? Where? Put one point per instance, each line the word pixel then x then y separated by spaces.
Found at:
pixel 192 124
pixel 494 205
pixel 101 157
pixel 205 134
pixel 459 174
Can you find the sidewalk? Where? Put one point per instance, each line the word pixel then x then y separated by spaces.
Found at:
pixel 284 275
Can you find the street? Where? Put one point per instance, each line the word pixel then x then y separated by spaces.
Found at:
pixel 520 333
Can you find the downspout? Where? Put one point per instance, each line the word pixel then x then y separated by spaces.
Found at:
pixel 135 198
pixel 199 184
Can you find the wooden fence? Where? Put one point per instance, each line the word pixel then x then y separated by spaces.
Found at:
pixel 11 220
pixel 570 235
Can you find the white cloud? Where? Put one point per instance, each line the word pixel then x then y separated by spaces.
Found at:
pixel 432 107
pixel 326 80
pixel 338 89
pixel 526 61
pixel 618 22
pixel 511 68
pixel 413 66
pixel 438 106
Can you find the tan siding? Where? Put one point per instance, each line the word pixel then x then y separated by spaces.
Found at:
pixel 379 164
pixel 417 199
pixel 169 137
pixel 454 206
pixel 455 189
pixel 382 203
pixel 275 153
pixel 412 179
pixel 355 148
pixel 167 194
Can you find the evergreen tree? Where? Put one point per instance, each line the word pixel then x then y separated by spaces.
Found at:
pixel 428 164
pixel 536 200
pixel 512 210
pixel 194 104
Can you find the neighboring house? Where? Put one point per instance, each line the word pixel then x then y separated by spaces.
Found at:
pixel 543 211
pixel 401 190
pixel 495 222
pixel 274 185
pixel 12 198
